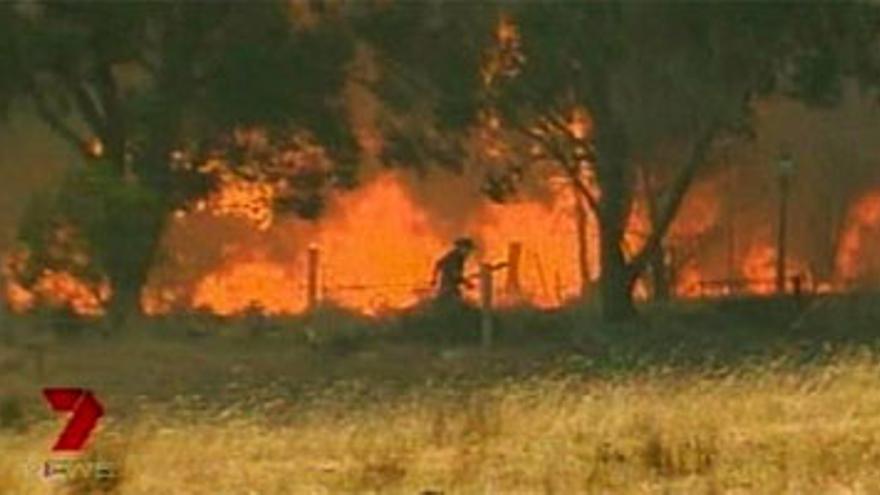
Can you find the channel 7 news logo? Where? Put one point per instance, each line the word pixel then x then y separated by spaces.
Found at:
pixel 85 411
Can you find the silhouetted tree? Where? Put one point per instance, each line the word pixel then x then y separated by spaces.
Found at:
pixel 648 74
pixel 129 84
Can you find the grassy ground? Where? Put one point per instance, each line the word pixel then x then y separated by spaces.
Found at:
pixel 690 400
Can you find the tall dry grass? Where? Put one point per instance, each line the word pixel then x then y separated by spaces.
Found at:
pixel 686 400
pixel 766 428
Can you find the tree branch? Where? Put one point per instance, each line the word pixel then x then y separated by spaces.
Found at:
pixel 669 208
pixel 114 119
pixel 583 190
pixel 55 122
pixel 86 104
pixel 563 127
pixel 570 172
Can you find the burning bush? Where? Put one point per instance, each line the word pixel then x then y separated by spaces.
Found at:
pixel 82 244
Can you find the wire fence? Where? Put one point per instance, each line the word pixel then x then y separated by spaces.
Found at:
pixel 544 287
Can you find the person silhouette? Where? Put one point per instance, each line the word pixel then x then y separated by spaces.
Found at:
pixel 449 271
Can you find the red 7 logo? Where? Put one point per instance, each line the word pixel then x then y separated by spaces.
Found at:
pixel 86 411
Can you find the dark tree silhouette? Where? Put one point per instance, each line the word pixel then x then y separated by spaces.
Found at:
pixel 649 74
pixel 128 84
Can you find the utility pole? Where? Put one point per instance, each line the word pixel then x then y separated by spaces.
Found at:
pixel 731 223
pixel 786 169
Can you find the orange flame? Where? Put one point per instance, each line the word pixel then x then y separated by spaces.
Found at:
pixel 19 299
pixel 759 269
pixel 855 260
pixel 549 265
pixel 55 288
pixel 378 237
pixel 59 289
pixel 245 284
pixel 378 246
pixel 689 281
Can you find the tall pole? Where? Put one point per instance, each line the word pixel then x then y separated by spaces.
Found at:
pixel 786 168
pixel 313 262
pixel 731 223
pixel 486 305
pixel 514 254
pixel 782 245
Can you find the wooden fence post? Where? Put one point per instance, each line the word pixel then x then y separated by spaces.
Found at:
pixel 486 304
pixel 514 253
pixel 314 258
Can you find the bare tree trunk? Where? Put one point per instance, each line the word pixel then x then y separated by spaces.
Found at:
pixel 656 262
pixel 124 304
pixel 616 279
pixel 128 262
pixel 616 282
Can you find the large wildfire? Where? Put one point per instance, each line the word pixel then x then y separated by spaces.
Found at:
pixel 374 249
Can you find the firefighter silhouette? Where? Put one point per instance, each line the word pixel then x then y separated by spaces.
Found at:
pixel 449 271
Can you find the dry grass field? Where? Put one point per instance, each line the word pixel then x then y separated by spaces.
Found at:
pixel 250 416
